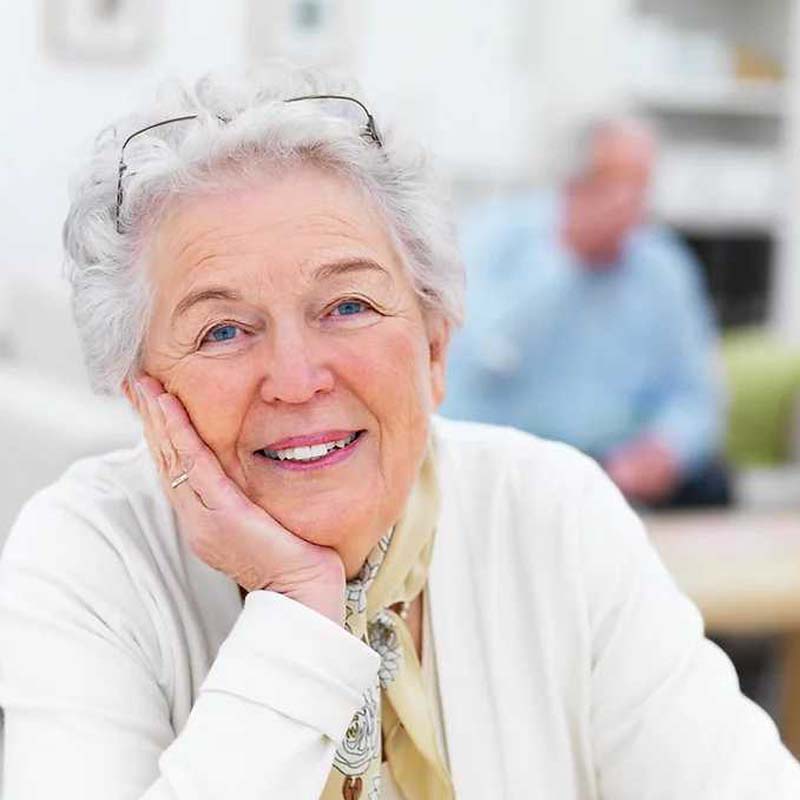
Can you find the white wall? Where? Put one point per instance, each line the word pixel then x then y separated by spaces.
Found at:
pixel 485 84
pixel 576 59
pixel 447 66
pixel 454 70
pixel 492 86
pixel 52 109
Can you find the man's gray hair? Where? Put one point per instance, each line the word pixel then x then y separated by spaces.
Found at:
pixel 242 127
pixel 581 138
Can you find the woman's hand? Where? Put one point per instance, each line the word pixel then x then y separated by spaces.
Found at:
pixel 221 525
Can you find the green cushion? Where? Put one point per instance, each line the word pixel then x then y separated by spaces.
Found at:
pixel 763 377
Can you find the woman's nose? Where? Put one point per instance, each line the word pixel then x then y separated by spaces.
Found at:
pixel 295 370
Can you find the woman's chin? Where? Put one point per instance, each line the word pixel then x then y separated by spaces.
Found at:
pixel 319 534
pixel 350 529
pixel 330 526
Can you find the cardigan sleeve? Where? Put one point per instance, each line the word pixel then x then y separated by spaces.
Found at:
pixel 667 718
pixel 85 694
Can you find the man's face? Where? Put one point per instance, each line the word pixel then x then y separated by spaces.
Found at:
pixel 610 199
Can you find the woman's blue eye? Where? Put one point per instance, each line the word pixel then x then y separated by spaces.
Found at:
pixel 350 307
pixel 221 333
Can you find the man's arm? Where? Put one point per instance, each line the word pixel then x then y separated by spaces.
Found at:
pixel 688 415
pixel 685 401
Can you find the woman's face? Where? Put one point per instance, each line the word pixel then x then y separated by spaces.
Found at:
pixel 285 321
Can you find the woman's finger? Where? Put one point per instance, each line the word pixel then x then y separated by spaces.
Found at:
pixel 180 450
pixel 163 451
pixel 137 397
pixel 205 475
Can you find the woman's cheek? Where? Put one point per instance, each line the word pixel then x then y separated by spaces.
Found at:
pixel 404 395
pixel 411 376
pixel 393 360
pixel 212 402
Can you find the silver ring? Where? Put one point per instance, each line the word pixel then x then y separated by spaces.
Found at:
pixel 182 478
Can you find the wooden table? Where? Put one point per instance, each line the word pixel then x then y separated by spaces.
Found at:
pixel 743 571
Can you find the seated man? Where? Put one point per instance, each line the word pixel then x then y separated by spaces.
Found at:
pixel 588 324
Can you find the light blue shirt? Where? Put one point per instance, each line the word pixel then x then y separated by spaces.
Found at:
pixel 592 358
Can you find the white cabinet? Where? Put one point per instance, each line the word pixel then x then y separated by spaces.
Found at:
pixel 713 74
pixel 719 79
pixel 786 300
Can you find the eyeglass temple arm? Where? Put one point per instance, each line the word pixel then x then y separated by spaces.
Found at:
pixel 123 166
pixel 372 131
pixel 371 126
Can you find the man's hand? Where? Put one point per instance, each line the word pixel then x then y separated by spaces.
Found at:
pixel 220 523
pixel 646 471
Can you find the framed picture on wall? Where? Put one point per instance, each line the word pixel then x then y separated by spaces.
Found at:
pixel 308 32
pixel 99 30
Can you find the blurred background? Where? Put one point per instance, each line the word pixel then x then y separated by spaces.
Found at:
pixel 497 91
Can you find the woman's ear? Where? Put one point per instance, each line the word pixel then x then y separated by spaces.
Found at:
pixel 438 342
pixel 132 391
pixel 129 392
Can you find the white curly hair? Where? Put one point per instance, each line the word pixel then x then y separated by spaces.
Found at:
pixel 237 127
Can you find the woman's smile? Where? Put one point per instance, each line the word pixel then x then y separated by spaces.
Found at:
pixel 313 452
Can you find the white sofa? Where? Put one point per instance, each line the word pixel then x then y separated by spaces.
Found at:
pixel 48 415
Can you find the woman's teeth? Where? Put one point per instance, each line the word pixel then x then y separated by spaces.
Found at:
pixel 309 452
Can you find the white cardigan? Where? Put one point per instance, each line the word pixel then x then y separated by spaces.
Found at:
pixel 570 666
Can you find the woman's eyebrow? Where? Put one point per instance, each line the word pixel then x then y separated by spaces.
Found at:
pixel 324 272
pixel 203 296
pixel 349 265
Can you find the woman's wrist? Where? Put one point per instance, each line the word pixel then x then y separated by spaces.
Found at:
pixel 326 597
pixel 320 587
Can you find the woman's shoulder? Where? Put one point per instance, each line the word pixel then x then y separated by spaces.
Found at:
pixel 107 498
pixel 536 503
pixel 93 555
pixel 493 453
pixel 502 482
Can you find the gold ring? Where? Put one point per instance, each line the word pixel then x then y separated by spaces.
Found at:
pixel 182 478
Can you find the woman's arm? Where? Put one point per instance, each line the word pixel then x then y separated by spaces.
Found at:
pixel 668 719
pixel 86 692
pixel 84 677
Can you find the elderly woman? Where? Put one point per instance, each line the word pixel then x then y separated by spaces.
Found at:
pixel 303 584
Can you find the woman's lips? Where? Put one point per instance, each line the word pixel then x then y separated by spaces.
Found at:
pixel 334 456
pixel 323 437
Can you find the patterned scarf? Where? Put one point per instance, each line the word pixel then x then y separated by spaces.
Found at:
pixel 396 718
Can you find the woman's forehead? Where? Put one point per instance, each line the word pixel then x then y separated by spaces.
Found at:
pixel 299 221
